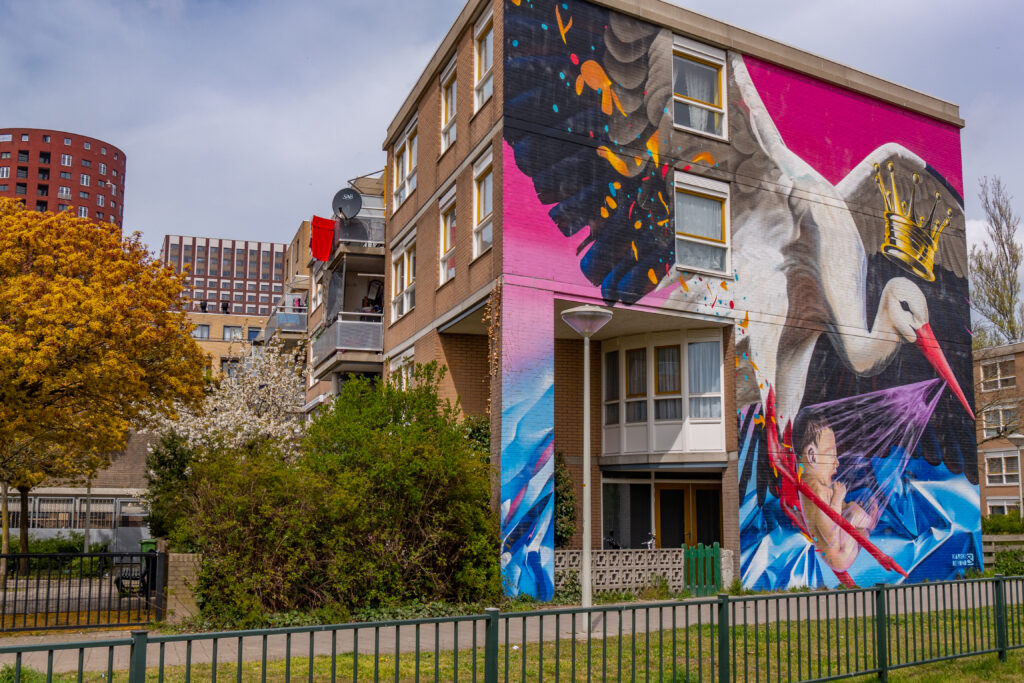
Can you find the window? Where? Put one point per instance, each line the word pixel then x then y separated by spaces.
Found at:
pixel 704 369
pixel 201 332
pixel 232 332
pixel 88 145
pixel 251 310
pixel 64 191
pixel 86 163
pixel 697 87
pixel 5 137
pixel 65 175
pixel 446 247
pixel 405 166
pixel 999 420
pixel 484 56
pixel 5 155
pixel 4 187
pixel 83 212
pixel 702 232
pixel 483 205
pixel 24 137
pixel 20 188
pixel 42 190
pixel 229 366
pixel 667 381
pixel 46 138
pixel 43 174
pixel 1003 506
pixel 65 159
pixel 5 171
pixel 1002 468
pixel 671 377
pixel 131 513
pixel 239 296
pixel 84 180
pixel 83 195
pixel 41 206
pixel 103 151
pixel 636 385
pixel 448 106
pixel 100 200
pixel 44 157
pixel 995 374
pixel 611 388
pixel 103 169
pixel 67 141
pixel 22 172
pixel 23 156
pixel 250 286
pixel 403 281
pixel 626 513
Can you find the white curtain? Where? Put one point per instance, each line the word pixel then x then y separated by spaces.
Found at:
pixel 668 369
pixel 698 216
pixel 636 381
pixel 704 362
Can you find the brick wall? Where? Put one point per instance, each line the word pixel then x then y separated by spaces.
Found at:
pixel 182 570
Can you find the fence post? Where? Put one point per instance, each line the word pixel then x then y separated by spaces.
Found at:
pixel 881 633
pixel 491 646
pixel 160 589
pixel 1000 608
pixel 723 638
pixel 137 666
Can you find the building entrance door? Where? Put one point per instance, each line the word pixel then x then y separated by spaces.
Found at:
pixel 687 514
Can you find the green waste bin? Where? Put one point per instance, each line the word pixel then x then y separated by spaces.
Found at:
pixel 147 545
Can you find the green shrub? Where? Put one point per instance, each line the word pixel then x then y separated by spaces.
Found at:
pixel 1002 524
pixel 418 483
pixel 1009 563
pixel 565 503
pixel 8 675
pixel 169 472
pixel 72 543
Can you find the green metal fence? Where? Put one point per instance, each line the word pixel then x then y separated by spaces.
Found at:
pixel 808 636
pixel 703 569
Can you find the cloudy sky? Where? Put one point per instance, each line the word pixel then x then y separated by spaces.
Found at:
pixel 240 119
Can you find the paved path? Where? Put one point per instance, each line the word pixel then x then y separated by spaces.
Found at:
pixel 625 620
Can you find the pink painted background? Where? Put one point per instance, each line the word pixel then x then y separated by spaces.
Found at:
pixel 833 129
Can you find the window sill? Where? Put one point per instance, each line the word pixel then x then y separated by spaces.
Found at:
pixel 480 255
pixel 702 133
pixel 442 285
pixel 704 271
pixel 480 107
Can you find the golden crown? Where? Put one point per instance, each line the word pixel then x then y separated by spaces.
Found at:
pixel 911 242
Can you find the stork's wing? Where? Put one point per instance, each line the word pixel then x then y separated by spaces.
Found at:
pixel 586 115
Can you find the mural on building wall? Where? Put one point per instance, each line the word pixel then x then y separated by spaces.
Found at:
pixel 848 290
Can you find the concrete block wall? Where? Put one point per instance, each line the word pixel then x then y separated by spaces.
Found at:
pixel 182 571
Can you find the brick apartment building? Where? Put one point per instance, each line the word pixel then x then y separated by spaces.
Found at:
pixel 51 170
pixel 781 241
pixel 998 399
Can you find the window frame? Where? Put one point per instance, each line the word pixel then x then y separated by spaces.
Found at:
pixel 1003 427
pixel 446 237
pixel 403 284
pixel 695 185
pixel 999 378
pixel 449 106
pixel 482 167
pixel 1002 457
pixel 694 51
pixel 483 80
pixel 404 157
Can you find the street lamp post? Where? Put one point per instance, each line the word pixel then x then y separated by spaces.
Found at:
pixel 586 321
pixel 1017 439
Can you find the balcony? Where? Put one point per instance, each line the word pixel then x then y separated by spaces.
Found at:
pixel 350 332
pixel 288 320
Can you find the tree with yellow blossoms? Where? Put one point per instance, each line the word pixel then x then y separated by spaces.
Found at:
pixel 93 340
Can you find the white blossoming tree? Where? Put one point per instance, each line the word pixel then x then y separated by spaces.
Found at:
pixel 262 401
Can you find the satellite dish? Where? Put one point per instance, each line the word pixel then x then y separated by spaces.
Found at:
pixel 347 203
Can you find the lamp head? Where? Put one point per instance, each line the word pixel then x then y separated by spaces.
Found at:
pixel 586 320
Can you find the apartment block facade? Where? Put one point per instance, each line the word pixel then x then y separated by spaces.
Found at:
pixel 232 277
pixel 52 170
pixel 780 240
pixel 998 396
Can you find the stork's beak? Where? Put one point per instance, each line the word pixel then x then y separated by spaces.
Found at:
pixel 929 346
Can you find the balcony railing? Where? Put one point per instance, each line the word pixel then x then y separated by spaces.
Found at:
pixel 364 232
pixel 350 332
pixel 286 318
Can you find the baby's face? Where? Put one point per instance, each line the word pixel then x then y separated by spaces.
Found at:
pixel 820 456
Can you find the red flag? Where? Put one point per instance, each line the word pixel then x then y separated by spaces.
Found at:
pixel 321 238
